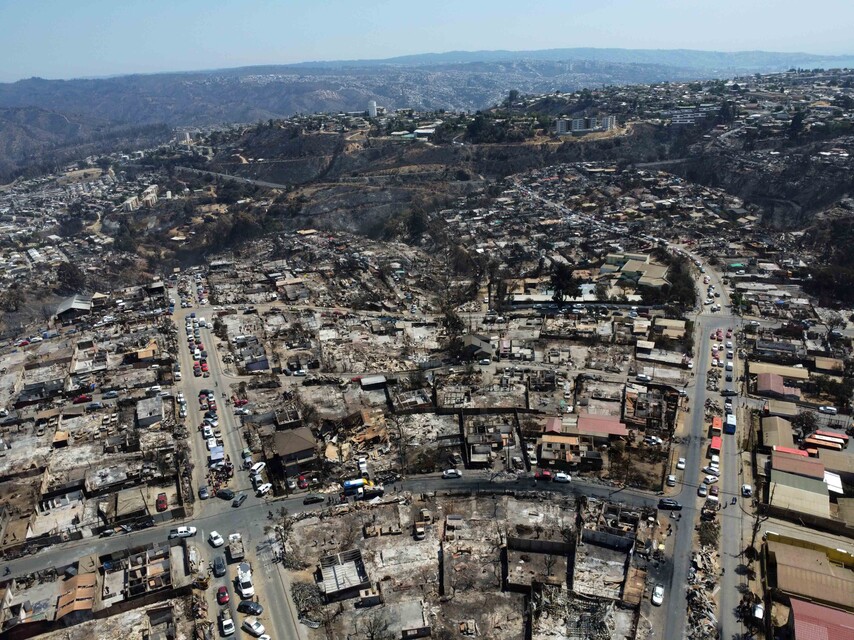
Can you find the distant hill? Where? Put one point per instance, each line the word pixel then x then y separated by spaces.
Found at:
pixel 42 139
pixel 735 62
pixel 40 115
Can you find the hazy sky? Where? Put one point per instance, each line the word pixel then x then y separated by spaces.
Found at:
pixel 64 39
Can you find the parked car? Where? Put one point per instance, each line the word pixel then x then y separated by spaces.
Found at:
pixel 831 411
pixel 658 595
pixel 712 471
pixel 680 464
pixel 543 474
pixel 225 494
pixel 702 491
pixel 82 398
pixel 253 626
pixel 263 489
pixel 671 481
pixel 250 607
pixel 302 483
pixel 162 502
pixel 204 493
pixel 560 476
pixel 222 596
pixel 312 499
pixel 710 479
pixel 239 500
pixel 215 539
pixel 669 504
pixel 109 395
pixel 746 490
pixel 226 622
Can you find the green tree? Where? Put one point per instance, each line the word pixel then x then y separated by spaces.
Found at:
pixel 70 278
pixel 564 283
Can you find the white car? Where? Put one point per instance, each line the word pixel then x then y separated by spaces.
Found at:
pixel 831 411
pixel 710 480
pixel 182 532
pixel 712 470
pixel 263 489
pixel 452 473
pixel 680 464
pixel 561 477
pixel 251 625
pixel 211 443
pixel 658 595
pixel 215 539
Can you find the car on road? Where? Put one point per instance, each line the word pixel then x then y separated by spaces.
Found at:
pixel 253 626
pixel 250 607
pixel 561 477
pixel 543 474
pixel 671 481
pixel 204 493
pixel 312 499
pixel 302 483
pixel 680 463
pixel 714 491
pixel 452 473
pixel 702 491
pixel 712 470
pixel 82 398
pixel 225 494
pixel 746 490
pixel 729 393
pixel 215 539
pixel 110 395
pixel 239 500
pixel 182 532
pixel 642 377
pixel 219 566
pixel 670 504
pixel 710 479
pixel 222 595
pixel 658 595
pixel 831 411
pixel 162 502
pixel 263 489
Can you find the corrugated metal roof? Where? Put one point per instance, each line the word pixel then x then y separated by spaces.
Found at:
pixel 777 432
pixel 808 573
pixel 797 493
pixel 798 465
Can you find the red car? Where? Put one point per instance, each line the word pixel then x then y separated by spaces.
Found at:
pixel 212 405
pixel 205 367
pixel 241 402
pixel 222 595
pixel 302 483
pixel 82 398
pixel 543 474
pixel 162 502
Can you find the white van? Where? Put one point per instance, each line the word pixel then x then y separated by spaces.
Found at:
pixel 264 489
pixel 729 366
pixel 831 411
pixel 257 468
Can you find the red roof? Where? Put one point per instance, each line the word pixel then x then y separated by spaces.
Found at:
pixel 554 425
pixel 593 424
pixel 815 622
pixel 794 452
pixel 716 443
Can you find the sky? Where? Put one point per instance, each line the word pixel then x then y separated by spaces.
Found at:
pixel 66 39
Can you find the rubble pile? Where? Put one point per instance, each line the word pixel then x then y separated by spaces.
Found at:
pixel 702 580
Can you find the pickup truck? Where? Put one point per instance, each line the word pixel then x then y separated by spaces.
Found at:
pixel 235 547
pixel 182 532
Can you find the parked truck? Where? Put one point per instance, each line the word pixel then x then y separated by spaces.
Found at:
pixel 235 547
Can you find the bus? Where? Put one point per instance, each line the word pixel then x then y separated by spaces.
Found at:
pixel 843 438
pixel 730 424
pixel 715 446
pixel 794 452
pixel 814 443
pixel 829 439
pixel 717 426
